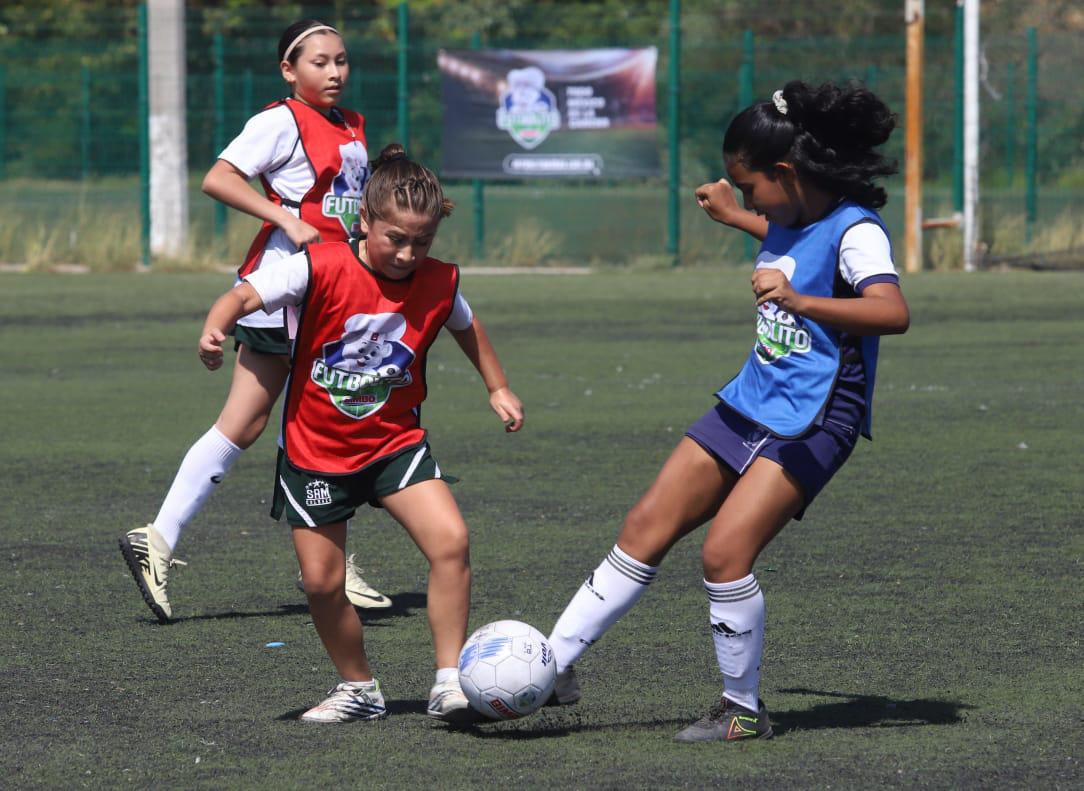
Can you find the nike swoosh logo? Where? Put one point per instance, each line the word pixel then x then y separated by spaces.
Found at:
pixel 370 596
pixel 216 479
pixel 156 580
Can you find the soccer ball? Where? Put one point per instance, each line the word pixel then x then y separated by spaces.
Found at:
pixel 507 670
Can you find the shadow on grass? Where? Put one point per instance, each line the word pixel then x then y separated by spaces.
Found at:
pixel 395 707
pixel 865 711
pixel 554 732
pixel 851 711
pixel 283 609
pixel 402 605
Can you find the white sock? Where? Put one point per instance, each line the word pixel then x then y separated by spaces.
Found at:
pixel 366 686
pixel 737 628
pixel 203 467
pixel 447 674
pixel 611 590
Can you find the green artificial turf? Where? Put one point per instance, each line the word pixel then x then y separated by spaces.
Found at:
pixel 923 619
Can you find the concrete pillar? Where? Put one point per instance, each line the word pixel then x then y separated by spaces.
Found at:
pixel 168 136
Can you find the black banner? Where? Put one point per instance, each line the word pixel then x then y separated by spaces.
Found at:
pixel 511 114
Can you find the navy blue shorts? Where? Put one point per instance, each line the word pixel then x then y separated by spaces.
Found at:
pixel 812 458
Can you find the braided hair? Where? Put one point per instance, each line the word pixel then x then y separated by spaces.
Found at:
pixel 829 134
pixel 398 181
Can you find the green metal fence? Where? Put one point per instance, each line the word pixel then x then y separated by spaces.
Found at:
pixel 72 108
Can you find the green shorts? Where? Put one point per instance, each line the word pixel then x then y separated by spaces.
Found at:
pixel 311 500
pixel 262 340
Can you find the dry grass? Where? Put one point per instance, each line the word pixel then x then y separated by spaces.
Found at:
pixel 1005 235
pixel 528 243
pixel 1009 235
pixel 49 225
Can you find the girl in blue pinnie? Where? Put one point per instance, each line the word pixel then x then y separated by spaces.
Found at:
pixel 825 289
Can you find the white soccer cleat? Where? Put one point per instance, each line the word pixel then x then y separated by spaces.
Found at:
pixel 566 689
pixel 348 702
pixel 358 592
pixel 149 559
pixel 448 704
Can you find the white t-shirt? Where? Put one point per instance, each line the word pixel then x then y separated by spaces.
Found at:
pixel 865 252
pixel 283 283
pixel 270 145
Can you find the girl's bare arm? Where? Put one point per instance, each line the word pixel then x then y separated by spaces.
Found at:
pixel 880 310
pixel 476 346
pixel 239 301
pixel 717 200
pixel 225 183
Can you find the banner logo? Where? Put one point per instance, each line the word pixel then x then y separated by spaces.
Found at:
pixel 528 110
pixel 549 113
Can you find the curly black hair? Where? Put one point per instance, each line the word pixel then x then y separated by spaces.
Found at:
pixel 828 133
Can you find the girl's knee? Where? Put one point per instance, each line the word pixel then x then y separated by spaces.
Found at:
pixel 453 547
pixel 713 561
pixel 644 534
pixel 723 564
pixel 638 520
pixel 322 583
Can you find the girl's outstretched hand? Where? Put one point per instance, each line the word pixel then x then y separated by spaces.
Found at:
pixel 771 285
pixel 210 349
pixel 300 232
pixel 508 408
pixel 717 199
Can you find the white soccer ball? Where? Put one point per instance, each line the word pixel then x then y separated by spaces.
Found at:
pixel 507 670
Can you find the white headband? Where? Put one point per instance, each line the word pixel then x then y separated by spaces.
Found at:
pixel 304 34
pixel 779 102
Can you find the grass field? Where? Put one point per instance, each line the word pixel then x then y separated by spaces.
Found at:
pixel 923 620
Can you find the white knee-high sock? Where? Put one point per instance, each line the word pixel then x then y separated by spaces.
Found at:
pixel 609 592
pixel 737 628
pixel 203 467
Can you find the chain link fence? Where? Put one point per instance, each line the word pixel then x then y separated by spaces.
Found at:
pixel 70 118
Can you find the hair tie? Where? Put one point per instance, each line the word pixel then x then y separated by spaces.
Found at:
pixel 779 102
pixel 387 159
pixel 304 34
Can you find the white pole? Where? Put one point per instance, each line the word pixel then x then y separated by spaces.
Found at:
pixel 168 138
pixel 971 134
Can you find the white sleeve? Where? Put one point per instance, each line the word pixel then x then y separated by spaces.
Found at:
pixel 865 252
pixel 461 316
pixel 281 283
pixel 266 143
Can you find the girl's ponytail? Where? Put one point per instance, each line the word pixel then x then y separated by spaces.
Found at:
pixel 829 133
